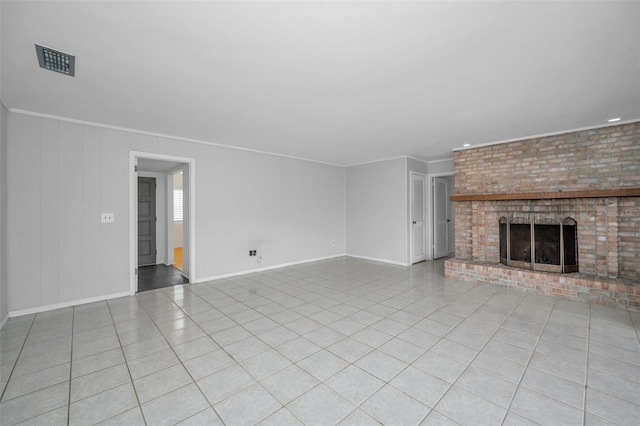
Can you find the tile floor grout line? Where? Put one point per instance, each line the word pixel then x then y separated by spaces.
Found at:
pixel 636 327
pixel 411 363
pixel 15 364
pixel 539 337
pixel 273 348
pixel 586 370
pixel 73 324
pixel 197 413
pixel 126 363
pixel 586 373
pixel 182 362
pixel 413 291
pixel 479 351
pixel 177 357
pixel 460 295
pixel 356 407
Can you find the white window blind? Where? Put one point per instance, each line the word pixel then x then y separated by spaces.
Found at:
pixel 177 205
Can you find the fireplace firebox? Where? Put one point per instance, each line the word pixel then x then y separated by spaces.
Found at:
pixel 542 244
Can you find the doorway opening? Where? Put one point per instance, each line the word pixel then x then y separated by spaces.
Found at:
pixel 161 216
pixel 177 205
pixel 441 215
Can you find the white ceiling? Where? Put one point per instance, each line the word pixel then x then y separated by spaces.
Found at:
pixel 338 82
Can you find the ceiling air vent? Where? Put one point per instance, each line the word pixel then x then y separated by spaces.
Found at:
pixel 55 60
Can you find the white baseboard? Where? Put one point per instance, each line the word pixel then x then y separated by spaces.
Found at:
pixel 375 259
pixel 4 320
pixel 46 308
pixel 266 268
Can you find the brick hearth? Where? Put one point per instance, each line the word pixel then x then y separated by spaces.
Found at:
pixel 574 286
pixel 608 226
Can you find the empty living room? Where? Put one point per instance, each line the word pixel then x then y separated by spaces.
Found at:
pixel 319 213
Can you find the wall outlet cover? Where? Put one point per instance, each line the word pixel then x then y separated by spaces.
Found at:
pixel 107 217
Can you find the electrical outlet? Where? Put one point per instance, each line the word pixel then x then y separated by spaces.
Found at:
pixel 253 252
pixel 333 242
pixel 107 217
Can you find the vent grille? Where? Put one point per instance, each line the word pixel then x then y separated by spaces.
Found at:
pixel 55 60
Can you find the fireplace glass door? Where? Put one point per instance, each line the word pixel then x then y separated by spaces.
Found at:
pixel 520 245
pixel 553 244
pixel 570 240
pixel 547 246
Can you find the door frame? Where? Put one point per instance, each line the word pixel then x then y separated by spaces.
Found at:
pixel 133 212
pixel 430 215
pixel 424 211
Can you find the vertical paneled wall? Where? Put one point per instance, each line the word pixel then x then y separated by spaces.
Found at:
pixel 377 211
pixel 62 176
pixel 4 305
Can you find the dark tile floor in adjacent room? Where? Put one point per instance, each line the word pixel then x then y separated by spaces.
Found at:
pixel 159 276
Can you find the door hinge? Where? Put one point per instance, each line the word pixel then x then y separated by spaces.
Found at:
pixel 156 252
pixel 135 168
pixel 136 271
pixel 156 218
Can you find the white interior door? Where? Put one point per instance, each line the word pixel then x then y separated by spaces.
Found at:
pixel 418 218
pixel 440 218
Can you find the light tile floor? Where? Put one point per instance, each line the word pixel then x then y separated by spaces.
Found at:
pixel 343 341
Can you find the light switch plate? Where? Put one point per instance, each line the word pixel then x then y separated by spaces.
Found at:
pixel 107 217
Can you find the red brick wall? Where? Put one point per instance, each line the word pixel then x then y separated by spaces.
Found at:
pixel 608 157
pixel 629 237
pixel 609 229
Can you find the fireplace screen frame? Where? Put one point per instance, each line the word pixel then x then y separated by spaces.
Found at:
pixel 566 246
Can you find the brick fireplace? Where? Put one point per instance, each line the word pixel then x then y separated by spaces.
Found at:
pixel 591 177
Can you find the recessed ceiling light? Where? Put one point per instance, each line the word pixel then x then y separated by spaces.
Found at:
pixel 55 60
pixel 613 120
pixel 466 145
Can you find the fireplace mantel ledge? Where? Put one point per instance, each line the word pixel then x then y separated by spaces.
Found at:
pixel 596 193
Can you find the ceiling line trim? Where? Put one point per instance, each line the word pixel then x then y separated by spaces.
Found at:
pixel 161 135
pixel 440 161
pixel 546 135
pixel 420 159
pixel 399 157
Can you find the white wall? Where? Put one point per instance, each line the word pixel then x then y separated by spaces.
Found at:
pixel 377 211
pixel 441 166
pixel 59 252
pixel 418 166
pixel 4 308
pixel 177 234
pixel 161 214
